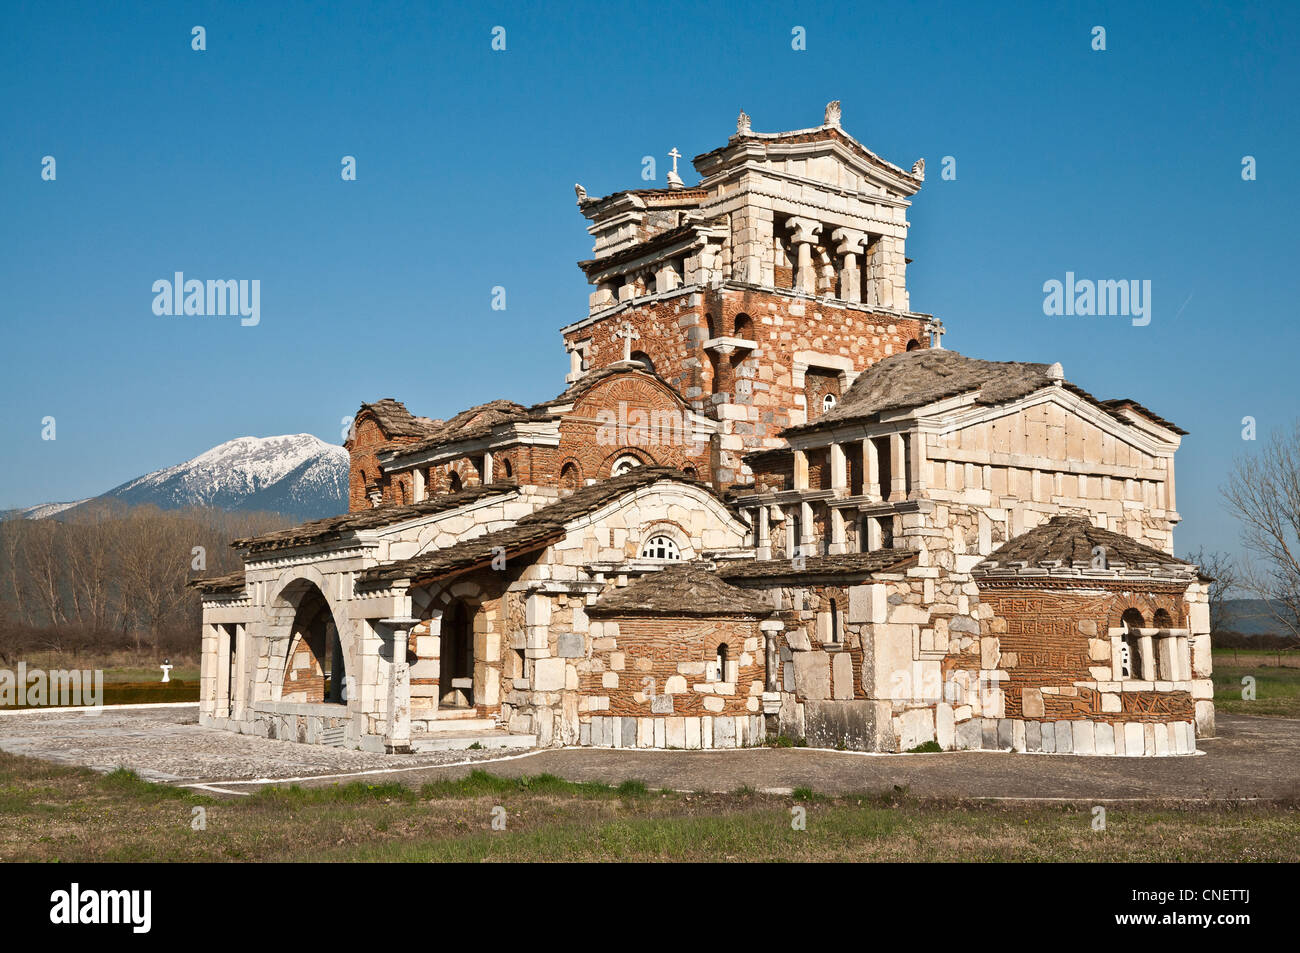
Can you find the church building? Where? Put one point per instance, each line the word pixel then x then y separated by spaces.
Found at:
pixel 767 502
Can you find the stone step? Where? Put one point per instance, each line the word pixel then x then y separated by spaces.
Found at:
pixel 443 725
pixel 462 740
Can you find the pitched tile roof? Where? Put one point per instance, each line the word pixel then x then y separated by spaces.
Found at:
pixel 227 582
pixel 396 420
pixel 336 527
pixel 916 378
pixel 594 377
pixel 476 421
pixel 539 528
pixel 920 377
pixel 688 589
pixel 1064 545
pixel 590 498
pixel 846 564
pixel 470 554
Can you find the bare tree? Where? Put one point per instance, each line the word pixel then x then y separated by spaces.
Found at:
pixel 1263 492
pixel 1222 570
pixel 43 552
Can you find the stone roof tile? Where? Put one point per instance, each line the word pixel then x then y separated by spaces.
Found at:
pixel 1064 546
pixel 688 589
pixel 335 527
pixel 845 564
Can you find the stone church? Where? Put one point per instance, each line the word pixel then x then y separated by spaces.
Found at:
pixel 767 502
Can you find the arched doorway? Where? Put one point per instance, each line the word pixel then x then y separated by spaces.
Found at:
pixel 456 658
pixel 316 665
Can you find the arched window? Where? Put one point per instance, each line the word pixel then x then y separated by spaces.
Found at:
pixel 624 464
pixel 834 634
pixel 744 326
pixel 828 403
pixel 644 360
pixel 721 662
pixel 691 473
pixel 913 344
pixel 454 483
pixel 507 471
pixel 660 547
pixel 1130 646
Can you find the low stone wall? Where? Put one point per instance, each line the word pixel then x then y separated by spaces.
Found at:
pixel 313 724
pixel 720 731
pixel 1131 739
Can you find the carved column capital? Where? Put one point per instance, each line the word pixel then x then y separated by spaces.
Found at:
pixel 805 229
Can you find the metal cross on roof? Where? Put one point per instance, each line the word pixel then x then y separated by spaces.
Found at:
pixel 674 155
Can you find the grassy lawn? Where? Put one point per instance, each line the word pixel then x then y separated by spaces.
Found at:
pixel 1277 690
pixel 52 813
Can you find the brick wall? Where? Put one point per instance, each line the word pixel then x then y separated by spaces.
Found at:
pixel 680 656
pixel 1050 639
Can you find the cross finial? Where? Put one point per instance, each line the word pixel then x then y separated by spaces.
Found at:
pixel 937 332
pixel 674 155
pixel 629 334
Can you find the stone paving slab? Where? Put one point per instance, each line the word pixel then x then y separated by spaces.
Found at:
pixel 168 744
pixel 1251 758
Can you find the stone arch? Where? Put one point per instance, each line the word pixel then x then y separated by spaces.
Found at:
pixel 297 589
pixel 681 539
pixel 913 344
pixel 607 465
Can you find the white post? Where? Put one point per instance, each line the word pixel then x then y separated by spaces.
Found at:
pixel 398 736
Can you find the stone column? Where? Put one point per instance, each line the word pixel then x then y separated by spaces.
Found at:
pixel 805 233
pixel 1116 666
pixel 725 379
pixel 418 491
pixel 897 467
pixel 222 709
pixel 488 467
pixel 1184 658
pixel 1148 656
pixel 871 294
pixel 239 679
pixel 839 467
pixel 850 244
pixel 800 470
pixel 397 739
pixel 870 470
pixel 807 531
pixel 763 541
pixel 916 464
pixel 838 544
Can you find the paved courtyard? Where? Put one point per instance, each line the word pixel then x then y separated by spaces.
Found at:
pixel 1251 758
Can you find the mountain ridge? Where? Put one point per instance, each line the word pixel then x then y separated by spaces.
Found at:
pixel 298 475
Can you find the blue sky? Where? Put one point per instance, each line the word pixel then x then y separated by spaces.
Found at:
pixel 225 164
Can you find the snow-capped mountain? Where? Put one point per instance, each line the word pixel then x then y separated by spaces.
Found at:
pixel 40 510
pixel 299 475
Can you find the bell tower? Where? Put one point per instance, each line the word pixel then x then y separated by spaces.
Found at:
pixel 761 292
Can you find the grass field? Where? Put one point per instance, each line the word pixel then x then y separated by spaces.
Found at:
pixel 52 813
pixel 1277 690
